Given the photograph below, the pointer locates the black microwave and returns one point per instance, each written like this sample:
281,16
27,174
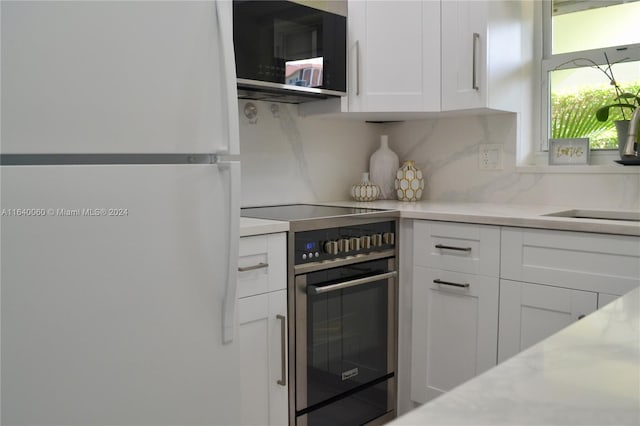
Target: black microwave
288,52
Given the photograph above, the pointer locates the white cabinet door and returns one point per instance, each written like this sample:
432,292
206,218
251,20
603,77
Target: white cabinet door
481,54
530,313
394,56
263,359
454,330
604,299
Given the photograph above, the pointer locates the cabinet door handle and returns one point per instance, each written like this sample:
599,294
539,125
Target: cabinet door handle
438,281
581,316
357,67
283,348
474,80
253,267
442,246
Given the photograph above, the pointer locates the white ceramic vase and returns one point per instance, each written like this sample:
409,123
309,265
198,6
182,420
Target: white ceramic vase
365,190
382,168
409,182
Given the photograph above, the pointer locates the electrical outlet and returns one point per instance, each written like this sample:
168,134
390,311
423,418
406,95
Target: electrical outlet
490,156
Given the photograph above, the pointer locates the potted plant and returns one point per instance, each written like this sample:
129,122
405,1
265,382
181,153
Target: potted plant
624,102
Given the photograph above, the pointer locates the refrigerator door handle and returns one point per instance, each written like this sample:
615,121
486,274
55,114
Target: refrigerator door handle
224,15
230,302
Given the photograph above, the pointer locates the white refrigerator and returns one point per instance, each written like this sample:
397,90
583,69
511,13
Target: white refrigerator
120,213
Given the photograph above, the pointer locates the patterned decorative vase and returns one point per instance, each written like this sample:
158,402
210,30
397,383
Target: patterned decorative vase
382,168
365,190
409,183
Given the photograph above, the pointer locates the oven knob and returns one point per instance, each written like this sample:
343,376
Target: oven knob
365,242
389,238
304,256
354,244
331,247
376,240
343,245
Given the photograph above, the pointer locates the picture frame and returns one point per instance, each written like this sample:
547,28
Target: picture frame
569,151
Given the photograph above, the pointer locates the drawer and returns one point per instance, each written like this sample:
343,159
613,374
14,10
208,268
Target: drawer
459,247
578,260
262,264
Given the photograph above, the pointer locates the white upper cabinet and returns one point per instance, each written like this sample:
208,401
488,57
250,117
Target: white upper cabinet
414,59
394,56
482,55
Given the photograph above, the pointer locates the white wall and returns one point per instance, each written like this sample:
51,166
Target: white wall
288,159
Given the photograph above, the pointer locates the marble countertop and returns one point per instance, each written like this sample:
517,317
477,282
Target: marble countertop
250,226
586,374
527,216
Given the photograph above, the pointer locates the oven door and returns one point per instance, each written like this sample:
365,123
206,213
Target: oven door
346,344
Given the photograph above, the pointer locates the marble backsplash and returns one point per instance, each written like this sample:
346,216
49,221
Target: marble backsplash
291,159
287,159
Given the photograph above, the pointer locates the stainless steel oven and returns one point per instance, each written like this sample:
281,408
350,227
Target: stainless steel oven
342,302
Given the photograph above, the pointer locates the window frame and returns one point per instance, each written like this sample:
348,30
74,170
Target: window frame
551,62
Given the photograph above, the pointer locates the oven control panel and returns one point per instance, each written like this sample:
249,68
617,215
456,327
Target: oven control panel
331,243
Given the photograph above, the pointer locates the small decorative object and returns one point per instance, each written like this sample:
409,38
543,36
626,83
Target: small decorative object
569,151
365,190
409,183
382,167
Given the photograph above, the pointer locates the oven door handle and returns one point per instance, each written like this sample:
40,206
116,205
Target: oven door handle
352,283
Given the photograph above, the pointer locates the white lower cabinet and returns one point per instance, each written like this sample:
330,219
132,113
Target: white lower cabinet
481,294
454,330
263,358
604,299
550,279
530,313
262,317
455,305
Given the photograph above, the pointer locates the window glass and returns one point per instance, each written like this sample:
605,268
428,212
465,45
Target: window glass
594,24
592,55
576,95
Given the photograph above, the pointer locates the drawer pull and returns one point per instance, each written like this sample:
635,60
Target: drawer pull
441,246
283,350
581,316
253,267
465,285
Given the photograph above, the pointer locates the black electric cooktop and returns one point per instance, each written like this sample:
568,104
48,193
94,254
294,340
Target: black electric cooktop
299,212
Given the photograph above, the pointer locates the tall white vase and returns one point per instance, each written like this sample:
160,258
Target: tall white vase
382,169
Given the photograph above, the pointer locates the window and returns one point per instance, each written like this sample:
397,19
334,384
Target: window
586,42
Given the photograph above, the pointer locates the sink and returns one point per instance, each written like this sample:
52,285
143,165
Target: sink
626,216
